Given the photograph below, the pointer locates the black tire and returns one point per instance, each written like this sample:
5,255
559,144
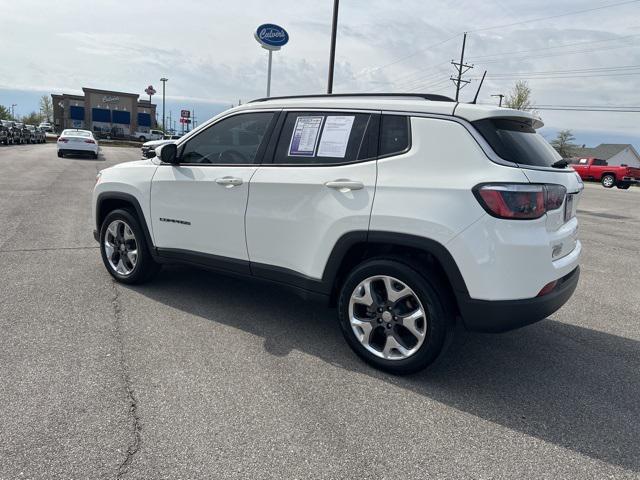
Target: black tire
94,156
608,181
60,154
624,186
432,293
145,266
142,139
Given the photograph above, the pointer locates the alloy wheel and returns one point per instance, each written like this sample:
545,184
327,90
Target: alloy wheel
387,317
121,247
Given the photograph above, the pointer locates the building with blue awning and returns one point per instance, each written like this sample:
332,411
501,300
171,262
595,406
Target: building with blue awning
104,111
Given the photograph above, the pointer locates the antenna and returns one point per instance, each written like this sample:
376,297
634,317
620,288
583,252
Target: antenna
475,99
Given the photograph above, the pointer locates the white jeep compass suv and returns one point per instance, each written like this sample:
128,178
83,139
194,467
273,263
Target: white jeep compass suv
408,212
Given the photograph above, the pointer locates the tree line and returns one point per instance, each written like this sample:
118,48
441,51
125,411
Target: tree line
33,118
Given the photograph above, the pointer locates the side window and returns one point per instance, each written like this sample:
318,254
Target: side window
323,138
232,141
600,163
394,134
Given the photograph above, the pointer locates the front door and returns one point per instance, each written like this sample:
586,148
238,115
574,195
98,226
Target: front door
198,206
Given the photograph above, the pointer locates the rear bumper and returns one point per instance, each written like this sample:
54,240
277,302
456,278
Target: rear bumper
503,315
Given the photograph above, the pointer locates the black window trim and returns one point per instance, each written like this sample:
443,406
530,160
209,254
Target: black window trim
259,158
374,123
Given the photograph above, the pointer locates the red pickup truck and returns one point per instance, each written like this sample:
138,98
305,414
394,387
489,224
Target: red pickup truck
599,170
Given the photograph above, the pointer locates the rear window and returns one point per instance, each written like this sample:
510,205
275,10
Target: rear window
517,142
323,138
76,133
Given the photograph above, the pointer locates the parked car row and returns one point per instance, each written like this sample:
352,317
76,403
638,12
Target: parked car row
12,133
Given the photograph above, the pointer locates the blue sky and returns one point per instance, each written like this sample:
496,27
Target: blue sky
207,50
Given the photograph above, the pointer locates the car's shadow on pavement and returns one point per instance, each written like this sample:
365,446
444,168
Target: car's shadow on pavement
574,387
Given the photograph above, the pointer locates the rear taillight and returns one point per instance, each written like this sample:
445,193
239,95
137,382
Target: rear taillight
63,140
519,201
89,141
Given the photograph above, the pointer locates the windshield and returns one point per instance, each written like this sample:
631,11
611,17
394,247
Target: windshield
517,142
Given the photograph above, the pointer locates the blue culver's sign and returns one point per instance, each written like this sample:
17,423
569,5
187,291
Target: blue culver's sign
271,36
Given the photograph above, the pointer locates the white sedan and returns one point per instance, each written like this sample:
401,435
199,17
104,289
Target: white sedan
77,141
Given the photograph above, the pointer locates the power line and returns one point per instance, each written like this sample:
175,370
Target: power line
551,77
575,12
589,106
516,52
550,55
415,53
561,109
578,70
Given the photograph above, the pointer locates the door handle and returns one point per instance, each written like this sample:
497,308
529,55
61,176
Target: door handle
345,185
229,182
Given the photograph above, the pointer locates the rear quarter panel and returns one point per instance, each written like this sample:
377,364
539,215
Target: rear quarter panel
428,190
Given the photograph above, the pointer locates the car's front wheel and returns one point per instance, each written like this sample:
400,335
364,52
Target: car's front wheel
124,251
393,317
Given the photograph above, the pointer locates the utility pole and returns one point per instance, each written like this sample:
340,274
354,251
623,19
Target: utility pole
462,68
164,118
169,119
13,116
501,96
332,51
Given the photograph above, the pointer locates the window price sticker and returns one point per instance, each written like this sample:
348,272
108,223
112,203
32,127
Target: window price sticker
304,138
335,136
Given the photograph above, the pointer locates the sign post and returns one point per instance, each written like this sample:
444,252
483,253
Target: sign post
271,37
150,91
185,119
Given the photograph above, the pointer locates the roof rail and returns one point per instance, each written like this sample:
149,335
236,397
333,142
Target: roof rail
425,96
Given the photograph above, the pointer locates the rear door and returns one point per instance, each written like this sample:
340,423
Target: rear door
198,206
319,186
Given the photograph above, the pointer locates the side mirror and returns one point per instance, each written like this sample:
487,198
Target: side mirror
168,153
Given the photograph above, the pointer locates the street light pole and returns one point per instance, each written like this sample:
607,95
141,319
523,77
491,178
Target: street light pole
332,52
13,116
164,118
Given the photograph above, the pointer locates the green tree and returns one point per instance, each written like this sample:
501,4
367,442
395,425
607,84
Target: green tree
520,97
46,108
5,113
33,118
563,143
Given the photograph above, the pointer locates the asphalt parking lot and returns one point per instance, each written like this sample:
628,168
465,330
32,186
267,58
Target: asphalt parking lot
199,376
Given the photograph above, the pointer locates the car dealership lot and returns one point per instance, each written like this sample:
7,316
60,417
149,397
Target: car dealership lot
195,375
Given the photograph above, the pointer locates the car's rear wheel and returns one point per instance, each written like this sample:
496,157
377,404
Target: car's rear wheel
608,181
393,317
124,250
60,154
623,186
